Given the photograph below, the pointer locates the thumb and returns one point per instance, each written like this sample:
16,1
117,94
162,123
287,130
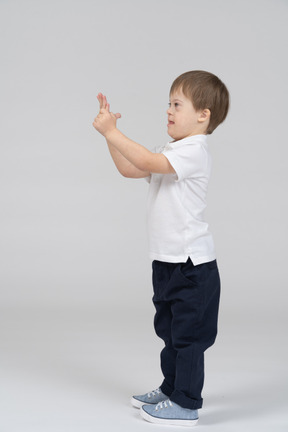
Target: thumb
117,115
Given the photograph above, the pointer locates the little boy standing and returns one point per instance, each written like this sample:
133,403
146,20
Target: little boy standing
186,280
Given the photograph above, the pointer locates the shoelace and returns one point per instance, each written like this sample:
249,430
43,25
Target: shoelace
154,393
163,404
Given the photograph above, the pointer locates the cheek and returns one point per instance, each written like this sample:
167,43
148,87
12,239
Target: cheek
186,122
190,120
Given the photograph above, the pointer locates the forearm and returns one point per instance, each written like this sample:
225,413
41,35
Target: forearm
131,152
125,168
120,161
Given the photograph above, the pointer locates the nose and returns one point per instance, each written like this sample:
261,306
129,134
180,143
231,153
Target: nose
169,111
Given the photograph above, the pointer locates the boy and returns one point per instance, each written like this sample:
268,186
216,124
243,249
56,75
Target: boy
186,280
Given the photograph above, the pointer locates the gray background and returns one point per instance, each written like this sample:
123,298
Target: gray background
76,314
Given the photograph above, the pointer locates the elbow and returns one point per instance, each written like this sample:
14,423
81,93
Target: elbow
144,164
127,173
124,173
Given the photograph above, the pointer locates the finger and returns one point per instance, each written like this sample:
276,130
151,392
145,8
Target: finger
116,116
100,99
105,102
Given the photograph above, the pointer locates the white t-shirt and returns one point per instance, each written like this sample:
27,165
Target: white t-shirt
176,203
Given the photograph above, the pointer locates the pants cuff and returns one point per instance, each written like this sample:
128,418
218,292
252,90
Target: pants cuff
166,388
184,401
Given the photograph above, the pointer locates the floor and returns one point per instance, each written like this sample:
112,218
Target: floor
75,371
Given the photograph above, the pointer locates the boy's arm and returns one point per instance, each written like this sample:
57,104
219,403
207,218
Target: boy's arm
122,164
126,168
142,161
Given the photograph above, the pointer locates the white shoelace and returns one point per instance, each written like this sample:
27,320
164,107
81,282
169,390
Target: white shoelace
163,404
154,393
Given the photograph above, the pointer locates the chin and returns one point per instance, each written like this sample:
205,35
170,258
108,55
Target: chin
176,137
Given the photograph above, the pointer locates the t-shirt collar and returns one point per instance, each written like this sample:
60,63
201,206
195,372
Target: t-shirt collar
193,139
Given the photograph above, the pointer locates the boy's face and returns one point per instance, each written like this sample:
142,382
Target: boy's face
183,120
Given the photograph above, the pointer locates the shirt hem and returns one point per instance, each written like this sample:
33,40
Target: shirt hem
196,260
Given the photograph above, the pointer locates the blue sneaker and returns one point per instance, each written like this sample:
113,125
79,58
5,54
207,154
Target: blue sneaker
169,413
154,397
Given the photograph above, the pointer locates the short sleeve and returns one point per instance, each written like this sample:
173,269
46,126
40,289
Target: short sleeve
188,161
154,150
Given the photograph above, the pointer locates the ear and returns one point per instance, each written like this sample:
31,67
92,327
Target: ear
204,115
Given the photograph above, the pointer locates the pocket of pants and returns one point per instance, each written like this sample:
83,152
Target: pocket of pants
189,271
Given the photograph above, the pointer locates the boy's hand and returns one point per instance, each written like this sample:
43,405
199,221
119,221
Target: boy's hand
105,121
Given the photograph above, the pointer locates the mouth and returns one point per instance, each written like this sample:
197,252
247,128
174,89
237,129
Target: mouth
170,122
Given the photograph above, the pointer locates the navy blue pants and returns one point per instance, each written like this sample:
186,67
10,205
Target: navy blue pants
186,298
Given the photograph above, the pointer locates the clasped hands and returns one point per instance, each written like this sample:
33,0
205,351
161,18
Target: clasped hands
105,122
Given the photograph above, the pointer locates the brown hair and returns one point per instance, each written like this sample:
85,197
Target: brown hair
205,90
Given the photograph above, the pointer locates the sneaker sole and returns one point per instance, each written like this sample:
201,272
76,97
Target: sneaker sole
173,422
138,404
